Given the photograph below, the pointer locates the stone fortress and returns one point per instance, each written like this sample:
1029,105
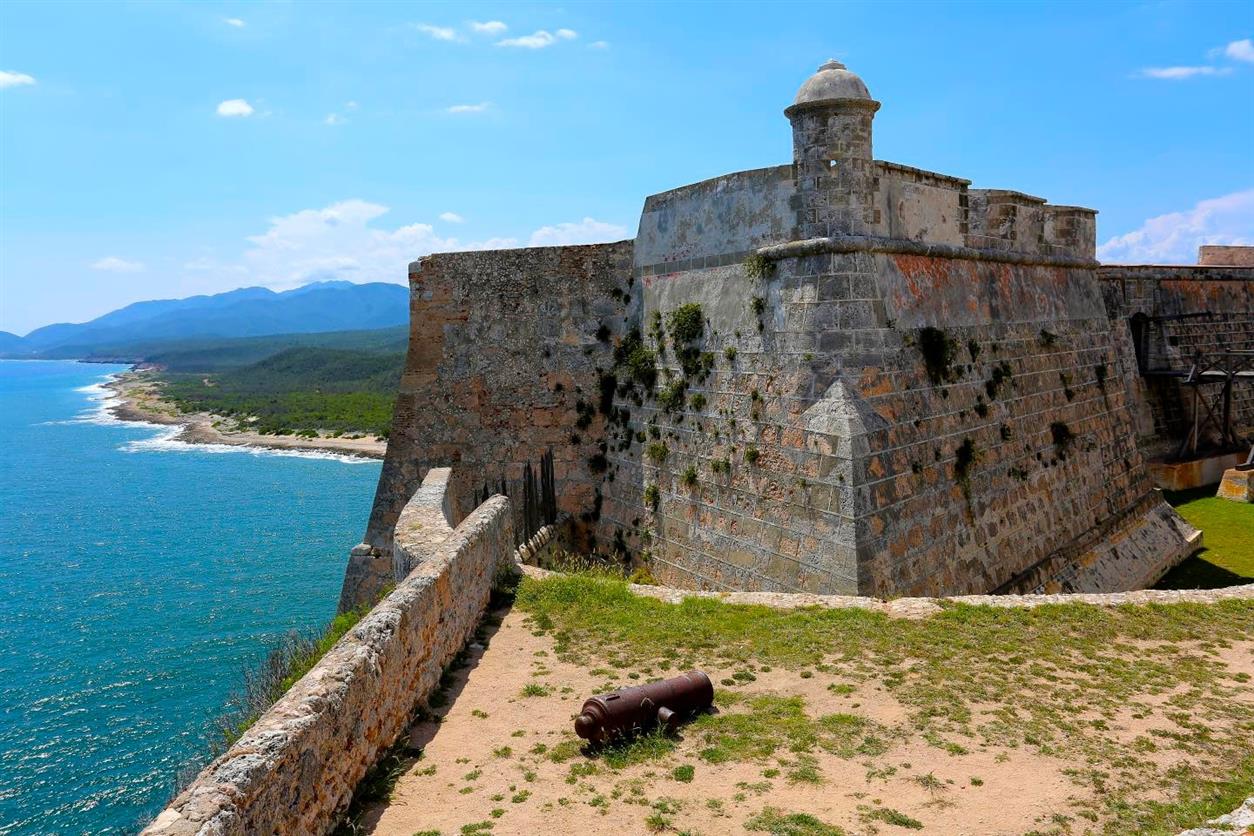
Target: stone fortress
839,375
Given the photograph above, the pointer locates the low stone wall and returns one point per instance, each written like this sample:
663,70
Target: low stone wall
296,769
425,522
923,607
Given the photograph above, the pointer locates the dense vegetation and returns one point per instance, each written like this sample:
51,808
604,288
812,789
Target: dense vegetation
298,391
210,355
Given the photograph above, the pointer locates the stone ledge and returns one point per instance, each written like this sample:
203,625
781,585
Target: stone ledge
874,244
923,607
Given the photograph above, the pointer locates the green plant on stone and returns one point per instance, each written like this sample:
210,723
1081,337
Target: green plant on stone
672,396
965,457
938,350
758,266
751,454
651,496
687,324
657,452
690,476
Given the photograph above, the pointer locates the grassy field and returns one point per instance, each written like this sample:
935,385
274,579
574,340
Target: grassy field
1228,529
1158,732
1063,719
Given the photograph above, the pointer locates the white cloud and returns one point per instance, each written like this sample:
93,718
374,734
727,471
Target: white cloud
9,78
339,242
1174,238
343,241
489,27
587,231
334,119
350,105
1242,50
540,39
439,33
235,107
452,218
1180,73
469,108
113,264
234,21
599,45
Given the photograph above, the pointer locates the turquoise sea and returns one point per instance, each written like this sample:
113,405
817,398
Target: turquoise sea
139,578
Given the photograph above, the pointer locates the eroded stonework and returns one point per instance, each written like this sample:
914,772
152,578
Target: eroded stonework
898,384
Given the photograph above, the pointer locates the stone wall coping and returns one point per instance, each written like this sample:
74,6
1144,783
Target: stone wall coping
922,173
424,524
295,769
1176,272
876,244
922,607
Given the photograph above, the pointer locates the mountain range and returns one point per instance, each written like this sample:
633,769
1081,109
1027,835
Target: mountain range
138,330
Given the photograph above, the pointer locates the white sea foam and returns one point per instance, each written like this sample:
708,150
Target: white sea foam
167,441
104,399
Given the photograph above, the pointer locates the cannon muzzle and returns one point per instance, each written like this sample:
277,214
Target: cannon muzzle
628,711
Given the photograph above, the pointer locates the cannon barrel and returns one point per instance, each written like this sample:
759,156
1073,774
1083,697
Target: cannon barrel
627,711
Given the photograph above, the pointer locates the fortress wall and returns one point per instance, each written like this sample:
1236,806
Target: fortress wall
917,205
714,222
857,485
1225,295
295,769
506,350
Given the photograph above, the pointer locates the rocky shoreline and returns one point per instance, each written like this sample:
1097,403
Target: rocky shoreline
138,400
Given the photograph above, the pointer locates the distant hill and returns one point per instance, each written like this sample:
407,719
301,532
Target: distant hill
215,355
132,332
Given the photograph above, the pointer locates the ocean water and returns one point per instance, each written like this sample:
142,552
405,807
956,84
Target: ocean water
139,578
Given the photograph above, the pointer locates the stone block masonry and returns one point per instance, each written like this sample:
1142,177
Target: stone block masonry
506,359
893,383
295,769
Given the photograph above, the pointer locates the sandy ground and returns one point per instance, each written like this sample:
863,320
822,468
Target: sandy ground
141,402
463,775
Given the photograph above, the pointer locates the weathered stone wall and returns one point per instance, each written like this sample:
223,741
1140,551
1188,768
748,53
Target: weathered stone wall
506,355
295,769
1179,313
825,459
423,525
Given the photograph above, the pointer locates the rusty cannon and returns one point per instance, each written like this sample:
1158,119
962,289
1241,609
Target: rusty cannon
628,711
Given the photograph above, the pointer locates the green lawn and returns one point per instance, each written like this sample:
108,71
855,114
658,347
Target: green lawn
1228,530
1063,681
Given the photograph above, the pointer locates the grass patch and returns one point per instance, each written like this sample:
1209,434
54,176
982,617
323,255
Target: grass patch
774,822
293,658
1228,556
1055,680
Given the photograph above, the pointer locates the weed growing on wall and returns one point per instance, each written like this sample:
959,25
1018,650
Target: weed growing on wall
965,458
938,350
1062,437
758,266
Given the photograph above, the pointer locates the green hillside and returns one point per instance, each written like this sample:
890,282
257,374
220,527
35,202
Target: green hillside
305,390
216,354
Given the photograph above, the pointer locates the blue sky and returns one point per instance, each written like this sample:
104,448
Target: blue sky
156,150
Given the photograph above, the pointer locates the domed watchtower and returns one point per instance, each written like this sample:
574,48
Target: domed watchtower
831,149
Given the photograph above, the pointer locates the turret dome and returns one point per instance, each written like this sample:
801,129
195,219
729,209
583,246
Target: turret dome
832,83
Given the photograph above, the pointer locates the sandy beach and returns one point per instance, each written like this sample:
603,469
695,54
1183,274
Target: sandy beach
140,400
